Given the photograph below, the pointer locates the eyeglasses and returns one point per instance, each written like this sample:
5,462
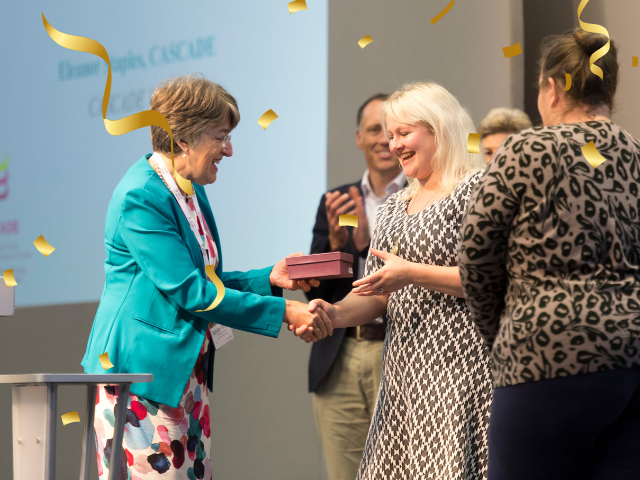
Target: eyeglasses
224,140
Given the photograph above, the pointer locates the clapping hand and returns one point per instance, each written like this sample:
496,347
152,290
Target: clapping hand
279,277
346,204
394,275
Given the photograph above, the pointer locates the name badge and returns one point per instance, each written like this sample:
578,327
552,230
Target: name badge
221,336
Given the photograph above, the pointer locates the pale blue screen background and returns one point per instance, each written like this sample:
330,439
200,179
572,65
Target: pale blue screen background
63,165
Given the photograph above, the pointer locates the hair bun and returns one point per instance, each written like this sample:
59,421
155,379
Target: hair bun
589,42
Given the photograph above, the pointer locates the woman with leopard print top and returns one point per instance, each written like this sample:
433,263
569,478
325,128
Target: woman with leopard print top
549,259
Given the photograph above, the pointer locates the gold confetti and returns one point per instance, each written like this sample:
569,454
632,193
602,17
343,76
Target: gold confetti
71,417
9,278
297,6
364,41
43,246
473,143
211,273
126,124
512,51
105,362
568,82
348,221
634,61
593,28
267,117
592,155
435,19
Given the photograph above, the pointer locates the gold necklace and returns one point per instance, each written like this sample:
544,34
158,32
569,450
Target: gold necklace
394,250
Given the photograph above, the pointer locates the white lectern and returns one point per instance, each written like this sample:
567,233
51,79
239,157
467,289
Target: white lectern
35,418
7,299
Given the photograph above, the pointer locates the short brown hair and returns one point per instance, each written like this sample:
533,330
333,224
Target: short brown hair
570,53
190,103
504,120
380,96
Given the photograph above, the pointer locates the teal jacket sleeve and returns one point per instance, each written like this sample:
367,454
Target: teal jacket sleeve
253,281
149,230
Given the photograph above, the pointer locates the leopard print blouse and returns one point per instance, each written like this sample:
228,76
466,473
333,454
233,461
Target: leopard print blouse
550,251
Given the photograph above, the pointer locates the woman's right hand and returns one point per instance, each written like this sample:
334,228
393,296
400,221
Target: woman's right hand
313,326
318,305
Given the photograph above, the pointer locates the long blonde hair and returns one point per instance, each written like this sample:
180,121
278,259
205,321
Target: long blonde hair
432,105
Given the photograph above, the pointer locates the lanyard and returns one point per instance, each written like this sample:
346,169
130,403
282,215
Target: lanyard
155,158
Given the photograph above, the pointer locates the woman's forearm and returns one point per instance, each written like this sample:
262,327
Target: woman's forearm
440,279
355,310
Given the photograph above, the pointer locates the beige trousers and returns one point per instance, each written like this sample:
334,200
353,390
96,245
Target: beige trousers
343,405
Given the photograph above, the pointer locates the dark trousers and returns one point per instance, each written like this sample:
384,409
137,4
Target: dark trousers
580,427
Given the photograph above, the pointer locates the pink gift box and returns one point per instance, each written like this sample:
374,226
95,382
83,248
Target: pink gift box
322,266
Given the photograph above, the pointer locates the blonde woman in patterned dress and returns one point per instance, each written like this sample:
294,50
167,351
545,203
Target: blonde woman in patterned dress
432,412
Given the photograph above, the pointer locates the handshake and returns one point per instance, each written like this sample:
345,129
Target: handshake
311,322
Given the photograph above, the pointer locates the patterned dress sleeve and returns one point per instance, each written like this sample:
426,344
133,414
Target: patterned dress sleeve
484,235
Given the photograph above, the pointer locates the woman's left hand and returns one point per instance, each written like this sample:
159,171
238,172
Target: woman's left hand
394,275
279,277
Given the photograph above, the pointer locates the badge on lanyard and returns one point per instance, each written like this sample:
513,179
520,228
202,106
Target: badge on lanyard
221,335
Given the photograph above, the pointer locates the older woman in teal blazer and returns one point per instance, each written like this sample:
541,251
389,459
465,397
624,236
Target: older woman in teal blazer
153,315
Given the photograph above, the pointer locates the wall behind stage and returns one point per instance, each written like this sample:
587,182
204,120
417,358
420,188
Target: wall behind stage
462,52
62,166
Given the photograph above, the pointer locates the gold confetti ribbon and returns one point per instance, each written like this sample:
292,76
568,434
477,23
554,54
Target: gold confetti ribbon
593,28
592,155
567,85
105,361
211,272
512,51
348,221
127,124
364,41
297,6
9,279
267,117
438,17
473,143
634,61
71,417
43,246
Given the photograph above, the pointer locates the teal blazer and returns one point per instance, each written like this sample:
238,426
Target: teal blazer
155,282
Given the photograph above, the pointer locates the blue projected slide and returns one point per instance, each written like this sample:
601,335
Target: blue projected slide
59,166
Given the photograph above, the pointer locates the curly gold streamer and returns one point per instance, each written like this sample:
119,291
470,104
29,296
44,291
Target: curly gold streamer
438,17
593,28
211,272
127,124
567,85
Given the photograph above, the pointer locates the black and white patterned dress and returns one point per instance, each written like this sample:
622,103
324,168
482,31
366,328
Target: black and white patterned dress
432,413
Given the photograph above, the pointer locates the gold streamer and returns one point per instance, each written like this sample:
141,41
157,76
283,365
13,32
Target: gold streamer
634,61
43,246
71,417
592,155
127,124
211,273
267,117
568,82
297,6
473,143
348,221
105,361
593,28
364,41
9,279
512,51
435,19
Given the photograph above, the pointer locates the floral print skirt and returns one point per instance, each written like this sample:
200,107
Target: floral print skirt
160,442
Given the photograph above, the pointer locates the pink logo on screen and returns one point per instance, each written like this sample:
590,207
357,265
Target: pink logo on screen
4,178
